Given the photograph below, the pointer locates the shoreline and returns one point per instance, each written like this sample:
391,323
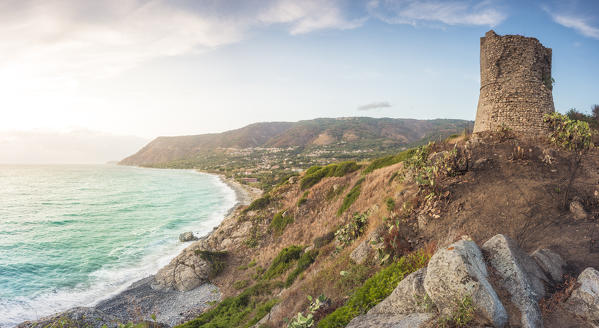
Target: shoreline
171,306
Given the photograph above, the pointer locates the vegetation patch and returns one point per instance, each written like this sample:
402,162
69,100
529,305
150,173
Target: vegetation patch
302,264
351,231
243,310
259,203
324,239
461,317
334,191
241,284
316,173
375,289
279,222
283,261
569,134
303,199
389,160
216,259
351,197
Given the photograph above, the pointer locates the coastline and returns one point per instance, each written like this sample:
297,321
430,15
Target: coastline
169,306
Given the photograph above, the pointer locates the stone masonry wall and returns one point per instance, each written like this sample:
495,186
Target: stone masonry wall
515,78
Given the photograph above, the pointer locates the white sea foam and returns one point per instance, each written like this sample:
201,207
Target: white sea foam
113,278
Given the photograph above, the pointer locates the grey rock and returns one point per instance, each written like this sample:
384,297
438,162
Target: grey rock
552,264
361,253
413,320
519,275
185,272
408,297
457,272
187,236
577,210
584,301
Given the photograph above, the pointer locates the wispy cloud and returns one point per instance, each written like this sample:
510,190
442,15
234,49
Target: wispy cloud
375,105
416,12
580,24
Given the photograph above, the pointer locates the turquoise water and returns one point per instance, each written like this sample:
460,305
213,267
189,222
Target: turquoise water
71,235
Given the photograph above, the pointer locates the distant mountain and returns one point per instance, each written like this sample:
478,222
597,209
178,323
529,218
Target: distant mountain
356,132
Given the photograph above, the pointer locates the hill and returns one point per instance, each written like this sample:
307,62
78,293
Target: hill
360,133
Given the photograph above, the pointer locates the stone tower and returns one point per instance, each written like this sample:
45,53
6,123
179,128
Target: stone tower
515,84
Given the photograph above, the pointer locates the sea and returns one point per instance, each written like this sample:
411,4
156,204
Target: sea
73,235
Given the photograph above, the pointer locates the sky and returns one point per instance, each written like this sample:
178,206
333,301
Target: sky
137,69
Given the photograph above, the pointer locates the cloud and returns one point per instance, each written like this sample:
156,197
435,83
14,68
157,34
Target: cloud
78,39
579,24
416,12
375,105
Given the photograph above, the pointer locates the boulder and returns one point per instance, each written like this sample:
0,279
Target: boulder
185,272
457,272
552,264
519,275
413,320
187,236
584,301
577,210
408,297
361,253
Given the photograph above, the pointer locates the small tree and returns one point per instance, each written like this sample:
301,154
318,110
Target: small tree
595,112
572,135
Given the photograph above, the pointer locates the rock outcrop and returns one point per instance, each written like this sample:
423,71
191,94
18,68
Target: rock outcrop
185,272
552,263
187,236
584,301
408,297
520,275
457,272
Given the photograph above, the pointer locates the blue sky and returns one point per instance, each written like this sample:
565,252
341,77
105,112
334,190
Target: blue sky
149,68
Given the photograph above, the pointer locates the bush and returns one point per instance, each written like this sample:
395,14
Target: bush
279,222
259,203
388,160
303,199
351,196
316,173
302,264
375,289
568,133
324,239
216,259
241,284
390,202
283,261
351,231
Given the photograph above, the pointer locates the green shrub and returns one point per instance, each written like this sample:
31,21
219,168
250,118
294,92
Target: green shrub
283,261
390,202
216,259
324,239
259,203
388,160
351,196
279,222
351,231
374,290
461,317
302,264
569,134
234,311
303,199
241,284
316,173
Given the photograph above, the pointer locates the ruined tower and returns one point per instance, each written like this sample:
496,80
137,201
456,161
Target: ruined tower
515,84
